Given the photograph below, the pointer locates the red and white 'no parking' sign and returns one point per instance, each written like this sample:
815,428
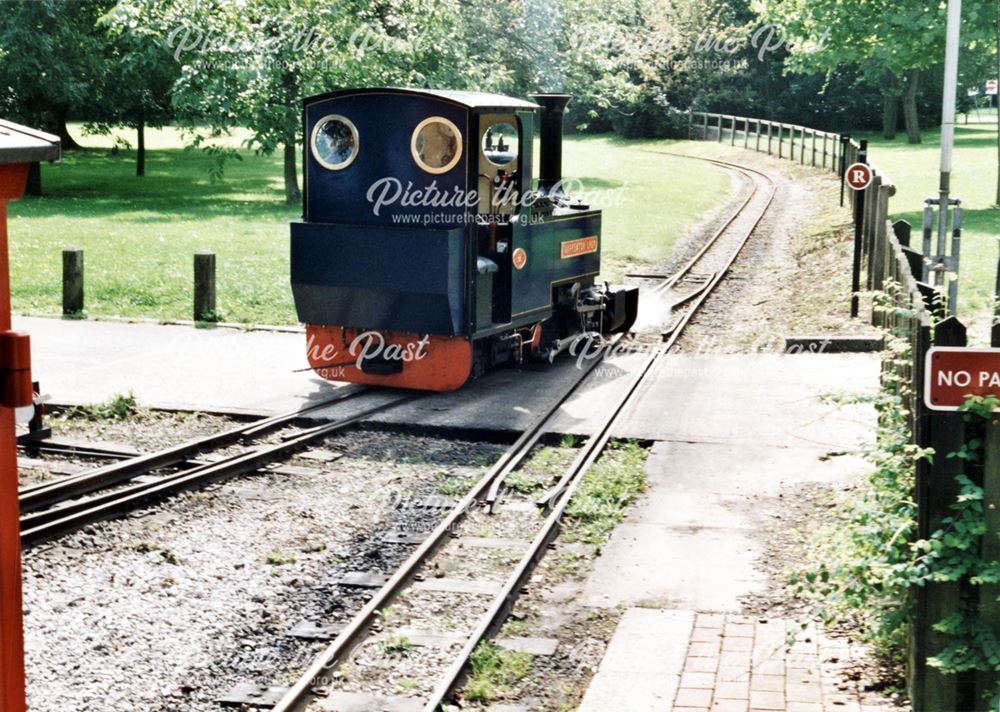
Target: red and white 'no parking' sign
858,176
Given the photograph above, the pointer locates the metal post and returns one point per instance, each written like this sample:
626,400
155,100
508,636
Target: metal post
953,260
12,697
859,218
928,230
948,120
844,138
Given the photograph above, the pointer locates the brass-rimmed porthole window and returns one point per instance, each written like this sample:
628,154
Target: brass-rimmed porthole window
436,145
334,143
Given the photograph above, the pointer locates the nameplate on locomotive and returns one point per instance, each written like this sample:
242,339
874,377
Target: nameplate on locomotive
574,248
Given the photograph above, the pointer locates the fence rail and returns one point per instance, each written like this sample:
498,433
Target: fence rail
815,147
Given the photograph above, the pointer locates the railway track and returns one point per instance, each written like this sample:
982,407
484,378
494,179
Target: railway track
687,289
58,507
493,598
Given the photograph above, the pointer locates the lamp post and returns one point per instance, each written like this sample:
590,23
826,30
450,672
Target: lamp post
948,100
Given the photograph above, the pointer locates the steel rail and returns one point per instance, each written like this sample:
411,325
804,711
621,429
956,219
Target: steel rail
557,500
359,625
117,504
689,265
706,291
45,494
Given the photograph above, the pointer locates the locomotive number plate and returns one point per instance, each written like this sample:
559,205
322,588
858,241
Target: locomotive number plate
574,248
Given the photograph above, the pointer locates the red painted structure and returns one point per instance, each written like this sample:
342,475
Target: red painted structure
19,147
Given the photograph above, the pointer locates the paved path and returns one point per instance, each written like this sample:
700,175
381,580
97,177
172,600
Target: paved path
727,431
736,664
82,362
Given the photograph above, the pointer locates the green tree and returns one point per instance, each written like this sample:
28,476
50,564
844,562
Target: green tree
53,61
894,44
250,64
136,89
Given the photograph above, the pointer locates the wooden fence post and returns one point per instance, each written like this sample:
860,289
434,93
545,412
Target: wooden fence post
704,136
746,133
720,128
72,282
813,162
989,605
931,690
781,139
204,287
989,594
769,138
757,136
732,132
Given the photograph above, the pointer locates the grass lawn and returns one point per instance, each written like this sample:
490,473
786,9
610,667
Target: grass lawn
139,234
914,171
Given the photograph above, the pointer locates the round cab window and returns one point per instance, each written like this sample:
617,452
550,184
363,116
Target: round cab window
335,142
500,144
436,145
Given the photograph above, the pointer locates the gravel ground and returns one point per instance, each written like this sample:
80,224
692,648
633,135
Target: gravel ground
142,431
389,664
167,610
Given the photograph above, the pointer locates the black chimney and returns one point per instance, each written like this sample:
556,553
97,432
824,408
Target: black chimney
550,130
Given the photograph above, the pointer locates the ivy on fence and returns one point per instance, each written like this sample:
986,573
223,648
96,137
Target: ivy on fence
865,566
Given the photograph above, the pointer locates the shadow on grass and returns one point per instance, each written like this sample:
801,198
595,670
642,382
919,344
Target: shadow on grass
177,186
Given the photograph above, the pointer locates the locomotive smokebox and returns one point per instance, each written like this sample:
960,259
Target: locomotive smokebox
551,129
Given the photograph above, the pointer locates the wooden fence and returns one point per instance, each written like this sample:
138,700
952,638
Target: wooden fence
914,315
796,143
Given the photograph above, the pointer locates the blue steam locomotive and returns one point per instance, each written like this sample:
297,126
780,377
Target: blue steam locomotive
426,255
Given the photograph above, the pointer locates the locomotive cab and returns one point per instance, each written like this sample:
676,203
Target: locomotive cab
425,255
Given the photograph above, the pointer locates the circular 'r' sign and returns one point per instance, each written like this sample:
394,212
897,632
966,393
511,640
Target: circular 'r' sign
519,258
858,175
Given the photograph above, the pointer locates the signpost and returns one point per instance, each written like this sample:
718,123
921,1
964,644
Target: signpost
858,176
953,374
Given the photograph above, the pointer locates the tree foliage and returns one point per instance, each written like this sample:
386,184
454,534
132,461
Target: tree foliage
892,44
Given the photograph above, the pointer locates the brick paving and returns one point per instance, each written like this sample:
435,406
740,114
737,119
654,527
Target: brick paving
741,664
